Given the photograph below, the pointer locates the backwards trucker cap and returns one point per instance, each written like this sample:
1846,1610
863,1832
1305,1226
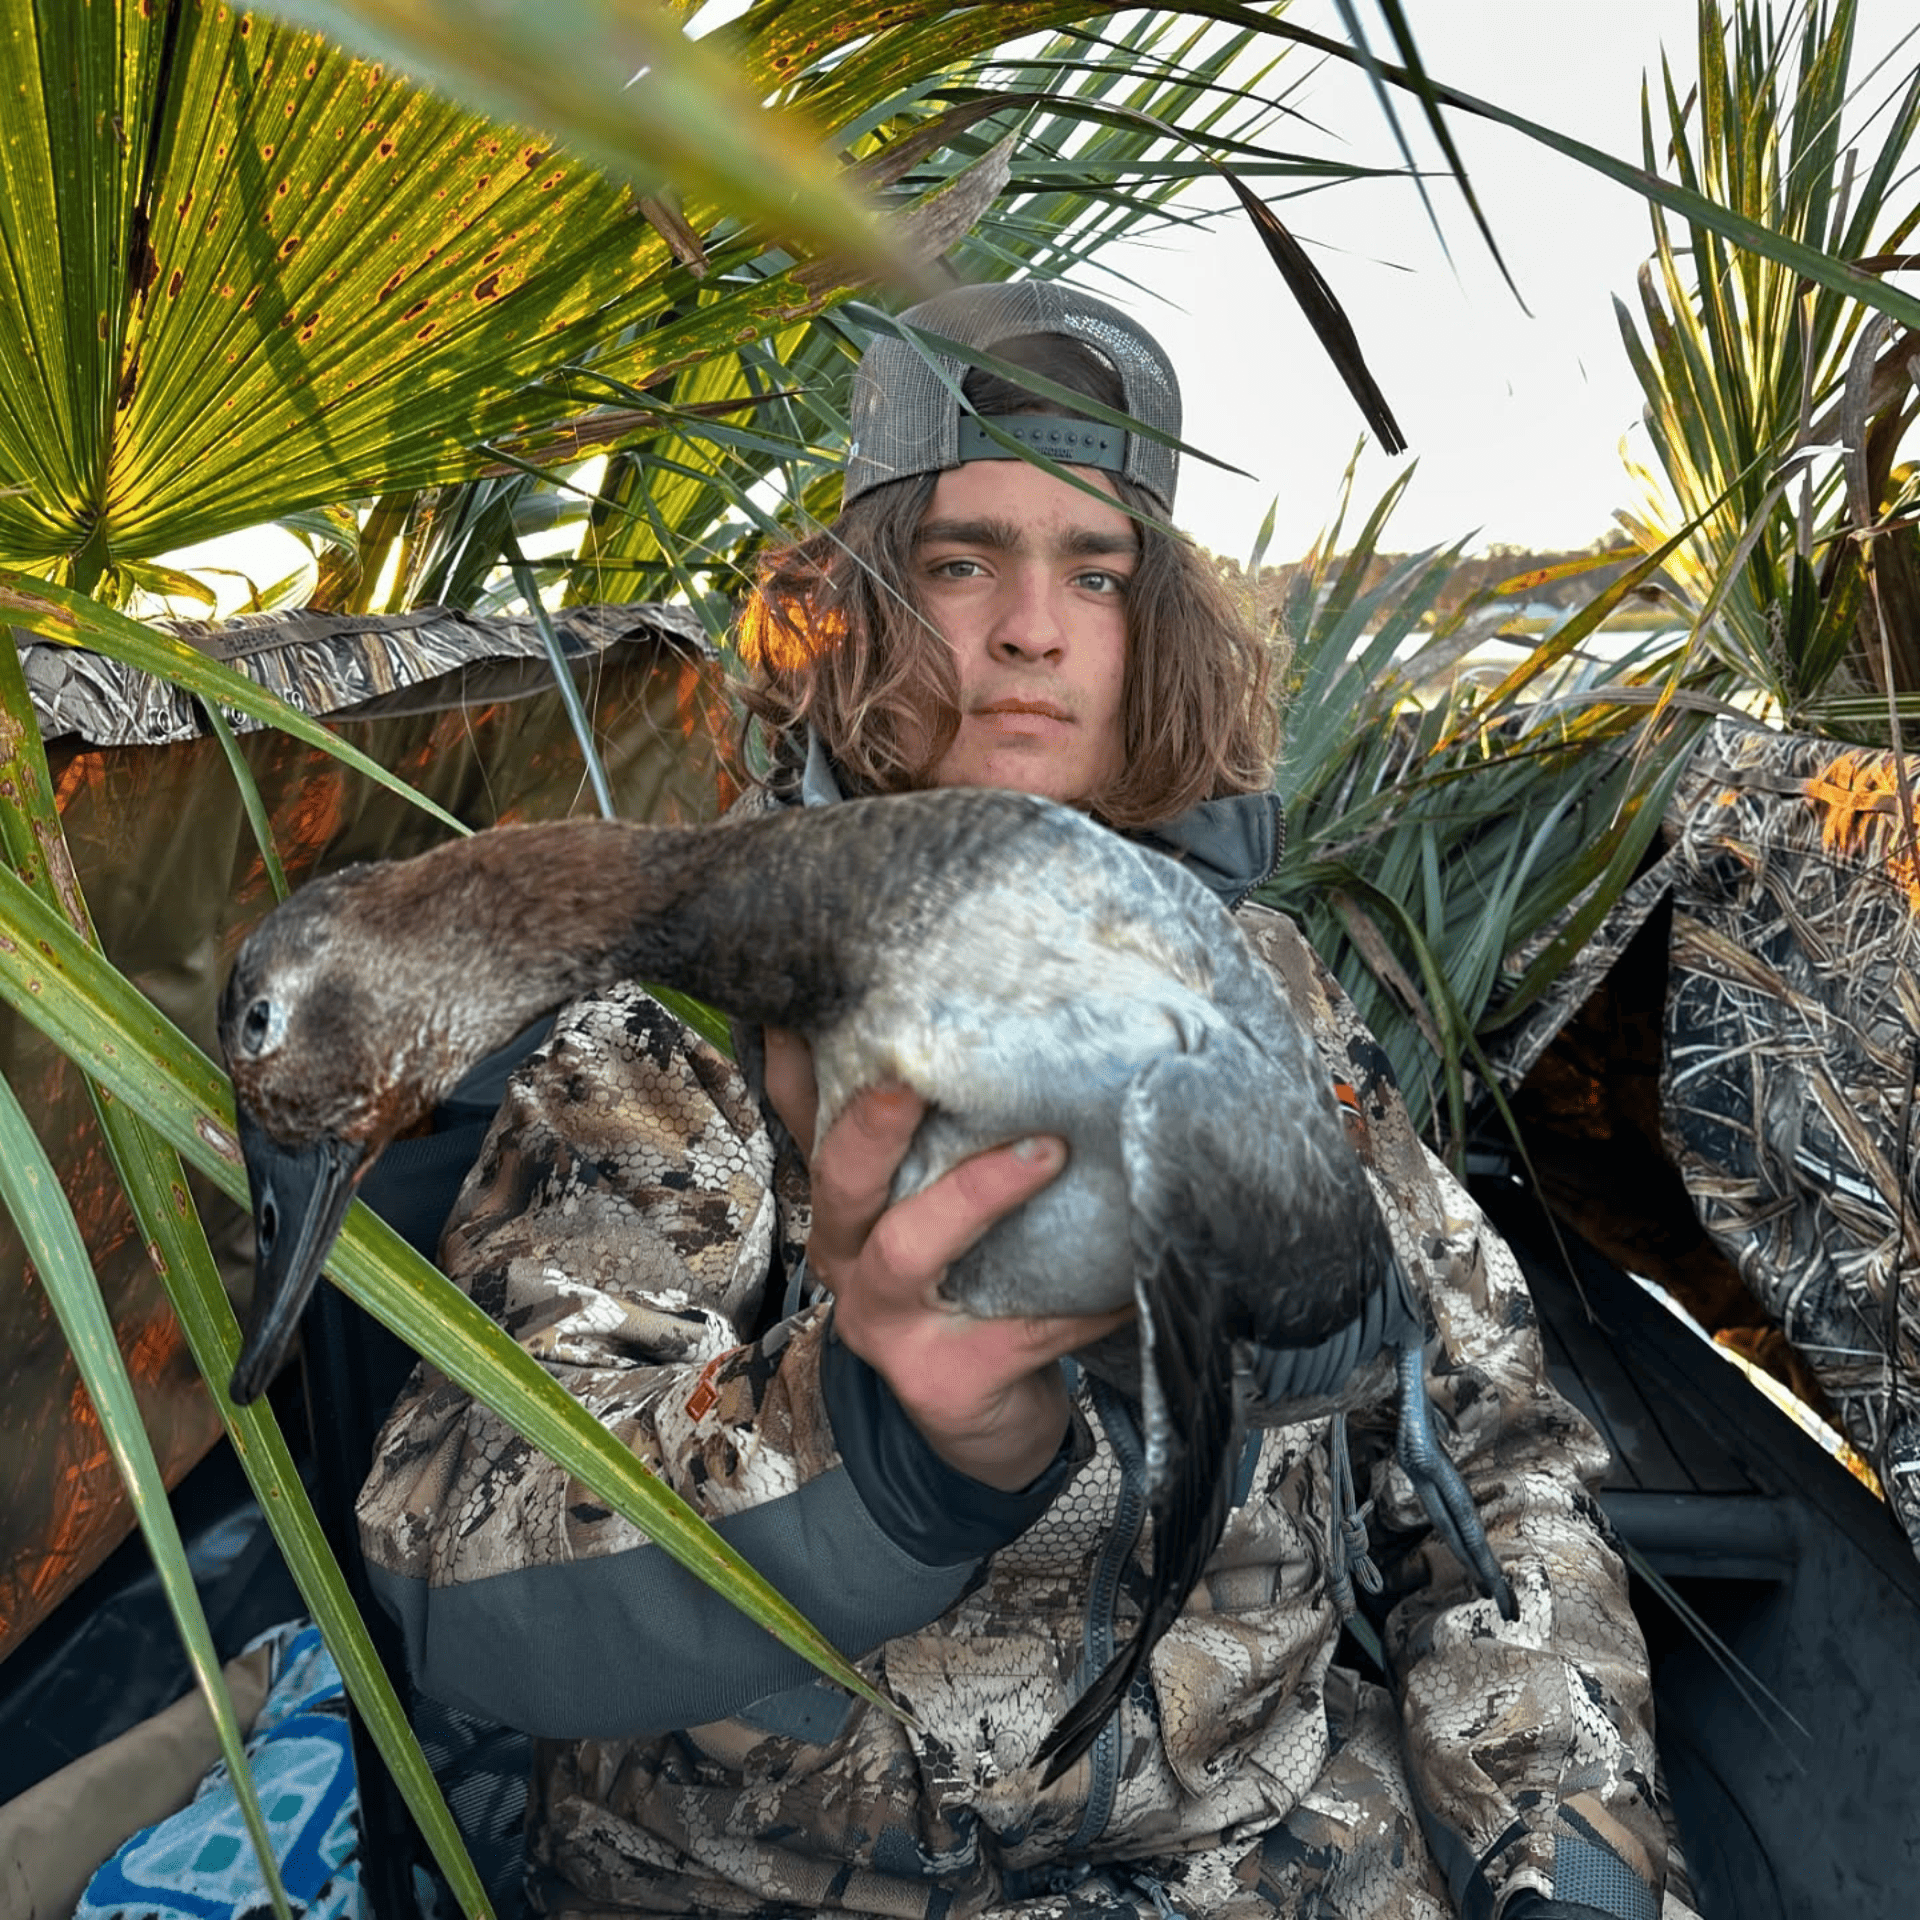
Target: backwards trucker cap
906,419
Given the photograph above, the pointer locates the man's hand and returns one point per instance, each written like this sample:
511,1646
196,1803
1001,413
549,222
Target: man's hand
987,1394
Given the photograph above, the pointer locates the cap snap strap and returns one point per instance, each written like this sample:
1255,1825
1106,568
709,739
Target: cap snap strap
1074,443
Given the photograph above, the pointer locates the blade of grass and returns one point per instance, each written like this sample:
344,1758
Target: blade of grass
150,1172
250,800
155,1188
562,673
52,1238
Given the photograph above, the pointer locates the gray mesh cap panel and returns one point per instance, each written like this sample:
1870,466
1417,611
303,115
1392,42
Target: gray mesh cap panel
906,420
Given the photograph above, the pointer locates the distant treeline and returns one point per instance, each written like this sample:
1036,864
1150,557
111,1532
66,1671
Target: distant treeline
1476,573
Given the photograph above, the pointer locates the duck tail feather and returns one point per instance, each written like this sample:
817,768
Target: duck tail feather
1189,1276
1184,1295
1188,1395
1077,1729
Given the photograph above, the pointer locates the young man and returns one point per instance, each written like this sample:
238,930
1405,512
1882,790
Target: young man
957,1502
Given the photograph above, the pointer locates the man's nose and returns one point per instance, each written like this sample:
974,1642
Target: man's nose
1028,622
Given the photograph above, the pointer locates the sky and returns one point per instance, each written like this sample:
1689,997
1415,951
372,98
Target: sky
1515,418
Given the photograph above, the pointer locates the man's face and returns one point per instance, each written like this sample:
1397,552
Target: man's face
1027,578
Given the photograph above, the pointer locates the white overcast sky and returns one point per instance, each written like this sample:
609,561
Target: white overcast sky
1515,419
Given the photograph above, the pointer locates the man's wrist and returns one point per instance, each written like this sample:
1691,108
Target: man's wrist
1010,1447
928,1508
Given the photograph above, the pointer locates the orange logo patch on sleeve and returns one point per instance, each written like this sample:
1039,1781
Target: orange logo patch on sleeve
1348,1099
705,1395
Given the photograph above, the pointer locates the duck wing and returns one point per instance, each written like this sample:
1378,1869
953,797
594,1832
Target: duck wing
1186,1383
1247,1224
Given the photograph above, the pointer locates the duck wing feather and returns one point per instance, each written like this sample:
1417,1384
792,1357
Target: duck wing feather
1251,1224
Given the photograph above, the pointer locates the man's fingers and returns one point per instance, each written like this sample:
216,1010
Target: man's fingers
1054,1336
791,1091
853,1169
932,1229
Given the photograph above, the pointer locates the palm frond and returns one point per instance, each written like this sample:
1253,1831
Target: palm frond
1437,830
1776,402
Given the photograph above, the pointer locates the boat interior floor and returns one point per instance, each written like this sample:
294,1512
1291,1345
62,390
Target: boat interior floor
1780,1599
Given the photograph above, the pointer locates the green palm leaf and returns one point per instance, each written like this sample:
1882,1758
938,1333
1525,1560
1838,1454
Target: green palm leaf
285,278
1436,829
32,1194
1765,472
170,1230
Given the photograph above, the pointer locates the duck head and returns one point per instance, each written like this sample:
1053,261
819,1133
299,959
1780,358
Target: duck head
355,1007
318,1093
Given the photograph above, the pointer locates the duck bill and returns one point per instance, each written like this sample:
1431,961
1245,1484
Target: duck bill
300,1196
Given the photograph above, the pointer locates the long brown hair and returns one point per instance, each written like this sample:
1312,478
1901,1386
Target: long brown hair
834,638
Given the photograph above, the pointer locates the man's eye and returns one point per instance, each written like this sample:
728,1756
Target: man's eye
958,568
1100,581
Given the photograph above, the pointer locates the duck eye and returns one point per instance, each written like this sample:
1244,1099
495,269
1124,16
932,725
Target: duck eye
255,1024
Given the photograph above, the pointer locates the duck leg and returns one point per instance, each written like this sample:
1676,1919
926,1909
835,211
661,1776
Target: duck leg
1442,1492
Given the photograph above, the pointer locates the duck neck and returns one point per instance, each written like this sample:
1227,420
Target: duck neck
537,916
741,915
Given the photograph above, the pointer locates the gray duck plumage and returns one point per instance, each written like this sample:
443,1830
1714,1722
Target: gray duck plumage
1022,969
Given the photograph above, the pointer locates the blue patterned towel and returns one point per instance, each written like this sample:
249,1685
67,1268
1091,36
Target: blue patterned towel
199,1865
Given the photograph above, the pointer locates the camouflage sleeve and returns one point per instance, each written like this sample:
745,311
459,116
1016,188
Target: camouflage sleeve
621,1224
1530,1744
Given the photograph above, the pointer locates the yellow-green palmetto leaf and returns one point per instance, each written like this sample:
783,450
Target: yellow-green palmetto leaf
53,979
620,82
261,275
656,506
1576,627
841,61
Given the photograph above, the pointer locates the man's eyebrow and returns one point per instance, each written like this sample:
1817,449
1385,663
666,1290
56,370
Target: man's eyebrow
1005,536
999,536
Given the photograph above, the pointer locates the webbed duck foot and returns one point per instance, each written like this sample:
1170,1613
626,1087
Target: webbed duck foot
1442,1492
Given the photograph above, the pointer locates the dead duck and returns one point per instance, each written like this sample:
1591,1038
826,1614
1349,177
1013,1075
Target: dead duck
1021,968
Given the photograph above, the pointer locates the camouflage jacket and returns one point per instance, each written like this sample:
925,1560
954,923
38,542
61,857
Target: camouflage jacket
630,1224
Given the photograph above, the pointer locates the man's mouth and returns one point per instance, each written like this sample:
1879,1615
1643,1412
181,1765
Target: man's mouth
1044,709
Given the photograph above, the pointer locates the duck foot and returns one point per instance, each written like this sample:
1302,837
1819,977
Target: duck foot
1442,1492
